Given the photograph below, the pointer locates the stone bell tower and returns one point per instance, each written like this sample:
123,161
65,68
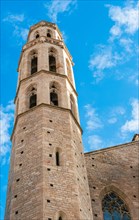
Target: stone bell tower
47,179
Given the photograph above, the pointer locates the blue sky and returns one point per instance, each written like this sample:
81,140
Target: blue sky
102,37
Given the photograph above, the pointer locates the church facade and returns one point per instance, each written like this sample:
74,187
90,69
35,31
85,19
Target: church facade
50,177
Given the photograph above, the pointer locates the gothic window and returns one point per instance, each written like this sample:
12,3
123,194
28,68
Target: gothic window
54,91
33,100
32,96
114,208
34,63
52,63
57,159
36,35
49,33
54,98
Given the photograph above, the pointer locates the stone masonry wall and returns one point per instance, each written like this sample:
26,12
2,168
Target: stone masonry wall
114,169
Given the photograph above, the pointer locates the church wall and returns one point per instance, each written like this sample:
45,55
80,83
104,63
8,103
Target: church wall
114,169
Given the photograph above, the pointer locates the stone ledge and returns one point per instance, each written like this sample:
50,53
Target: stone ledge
47,72
50,106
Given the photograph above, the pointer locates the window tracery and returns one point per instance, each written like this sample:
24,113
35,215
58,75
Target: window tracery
114,208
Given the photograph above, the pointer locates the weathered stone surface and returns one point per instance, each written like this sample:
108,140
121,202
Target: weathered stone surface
114,169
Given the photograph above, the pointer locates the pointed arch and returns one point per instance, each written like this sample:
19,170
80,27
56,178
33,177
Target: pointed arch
32,96
54,93
33,61
52,54
110,196
61,216
36,35
49,33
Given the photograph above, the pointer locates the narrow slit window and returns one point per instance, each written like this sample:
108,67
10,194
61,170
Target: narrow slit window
33,101
52,63
34,63
57,159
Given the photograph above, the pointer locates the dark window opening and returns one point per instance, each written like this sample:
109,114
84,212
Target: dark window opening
22,152
48,35
34,62
57,159
52,63
33,101
54,98
48,200
60,218
16,212
37,36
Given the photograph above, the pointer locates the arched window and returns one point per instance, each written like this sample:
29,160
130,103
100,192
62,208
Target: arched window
54,98
32,96
52,63
60,218
34,63
37,35
49,33
114,208
33,100
57,159
54,93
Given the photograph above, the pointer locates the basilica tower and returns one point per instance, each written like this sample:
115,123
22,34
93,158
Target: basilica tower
47,179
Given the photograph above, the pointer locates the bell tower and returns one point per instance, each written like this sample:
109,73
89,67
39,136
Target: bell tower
47,179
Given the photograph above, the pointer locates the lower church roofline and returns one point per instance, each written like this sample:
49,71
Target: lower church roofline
111,147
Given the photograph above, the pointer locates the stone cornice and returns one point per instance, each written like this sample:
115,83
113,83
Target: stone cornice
110,148
45,105
47,72
44,39
44,23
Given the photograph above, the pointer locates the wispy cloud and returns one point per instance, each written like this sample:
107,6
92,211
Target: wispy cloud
6,121
114,114
14,18
104,58
126,19
93,120
132,125
17,20
55,7
95,142
121,45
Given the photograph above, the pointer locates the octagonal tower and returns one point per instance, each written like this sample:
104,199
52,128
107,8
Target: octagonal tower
47,179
